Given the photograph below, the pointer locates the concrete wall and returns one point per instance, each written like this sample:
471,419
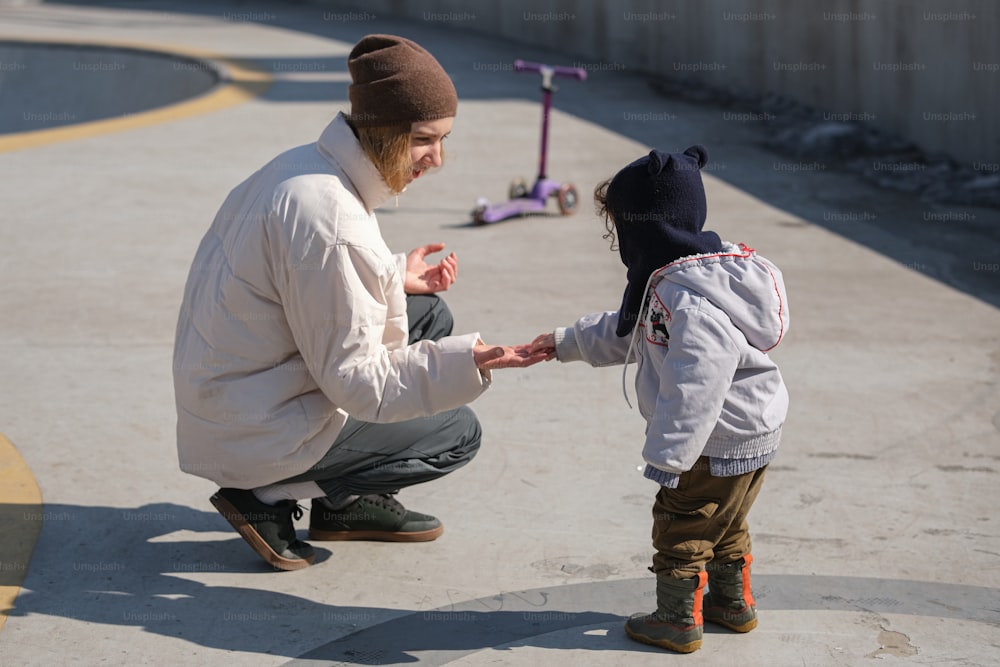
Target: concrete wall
926,70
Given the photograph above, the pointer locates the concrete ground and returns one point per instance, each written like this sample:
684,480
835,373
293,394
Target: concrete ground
876,539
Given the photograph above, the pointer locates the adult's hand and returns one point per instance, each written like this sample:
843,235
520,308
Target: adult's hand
424,278
491,357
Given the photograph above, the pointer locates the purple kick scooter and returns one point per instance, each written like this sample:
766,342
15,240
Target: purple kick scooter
523,201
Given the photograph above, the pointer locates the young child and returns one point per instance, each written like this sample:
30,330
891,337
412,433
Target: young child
698,317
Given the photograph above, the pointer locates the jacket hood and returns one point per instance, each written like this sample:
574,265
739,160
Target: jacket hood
744,285
339,145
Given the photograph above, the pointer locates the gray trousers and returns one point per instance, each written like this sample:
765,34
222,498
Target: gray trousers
371,458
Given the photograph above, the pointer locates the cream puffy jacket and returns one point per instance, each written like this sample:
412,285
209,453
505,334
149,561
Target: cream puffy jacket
294,317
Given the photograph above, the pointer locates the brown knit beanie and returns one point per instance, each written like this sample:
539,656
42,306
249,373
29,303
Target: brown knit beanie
396,81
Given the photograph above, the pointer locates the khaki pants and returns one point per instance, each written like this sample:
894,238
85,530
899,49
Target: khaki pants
703,521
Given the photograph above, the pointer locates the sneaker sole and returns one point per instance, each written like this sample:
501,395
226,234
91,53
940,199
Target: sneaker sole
253,538
374,535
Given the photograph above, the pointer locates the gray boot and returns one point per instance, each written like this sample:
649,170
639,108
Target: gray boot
677,622
729,601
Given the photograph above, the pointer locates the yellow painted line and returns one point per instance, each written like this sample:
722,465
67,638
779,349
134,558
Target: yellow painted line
241,81
20,523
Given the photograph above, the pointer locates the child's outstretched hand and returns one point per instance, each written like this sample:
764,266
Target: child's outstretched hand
545,343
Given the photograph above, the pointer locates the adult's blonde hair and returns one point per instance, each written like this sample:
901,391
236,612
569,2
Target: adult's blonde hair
388,147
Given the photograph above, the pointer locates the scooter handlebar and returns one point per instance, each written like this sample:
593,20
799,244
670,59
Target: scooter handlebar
557,70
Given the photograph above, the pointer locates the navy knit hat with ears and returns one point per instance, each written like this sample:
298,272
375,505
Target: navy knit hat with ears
657,204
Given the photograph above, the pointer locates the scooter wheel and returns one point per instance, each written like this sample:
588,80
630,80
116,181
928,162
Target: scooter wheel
477,215
567,199
518,189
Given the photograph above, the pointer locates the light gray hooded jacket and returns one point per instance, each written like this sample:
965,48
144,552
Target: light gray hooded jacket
705,383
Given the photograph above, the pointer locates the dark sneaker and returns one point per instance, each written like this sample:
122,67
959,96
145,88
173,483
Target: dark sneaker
381,518
268,529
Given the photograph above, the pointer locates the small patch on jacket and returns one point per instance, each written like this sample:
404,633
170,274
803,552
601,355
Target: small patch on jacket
655,322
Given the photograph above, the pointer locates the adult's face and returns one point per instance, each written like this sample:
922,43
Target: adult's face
426,150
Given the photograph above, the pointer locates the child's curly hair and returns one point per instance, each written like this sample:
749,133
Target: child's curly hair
601,206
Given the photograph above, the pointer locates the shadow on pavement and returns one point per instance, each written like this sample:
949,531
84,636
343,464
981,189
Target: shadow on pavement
112,566
109,566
